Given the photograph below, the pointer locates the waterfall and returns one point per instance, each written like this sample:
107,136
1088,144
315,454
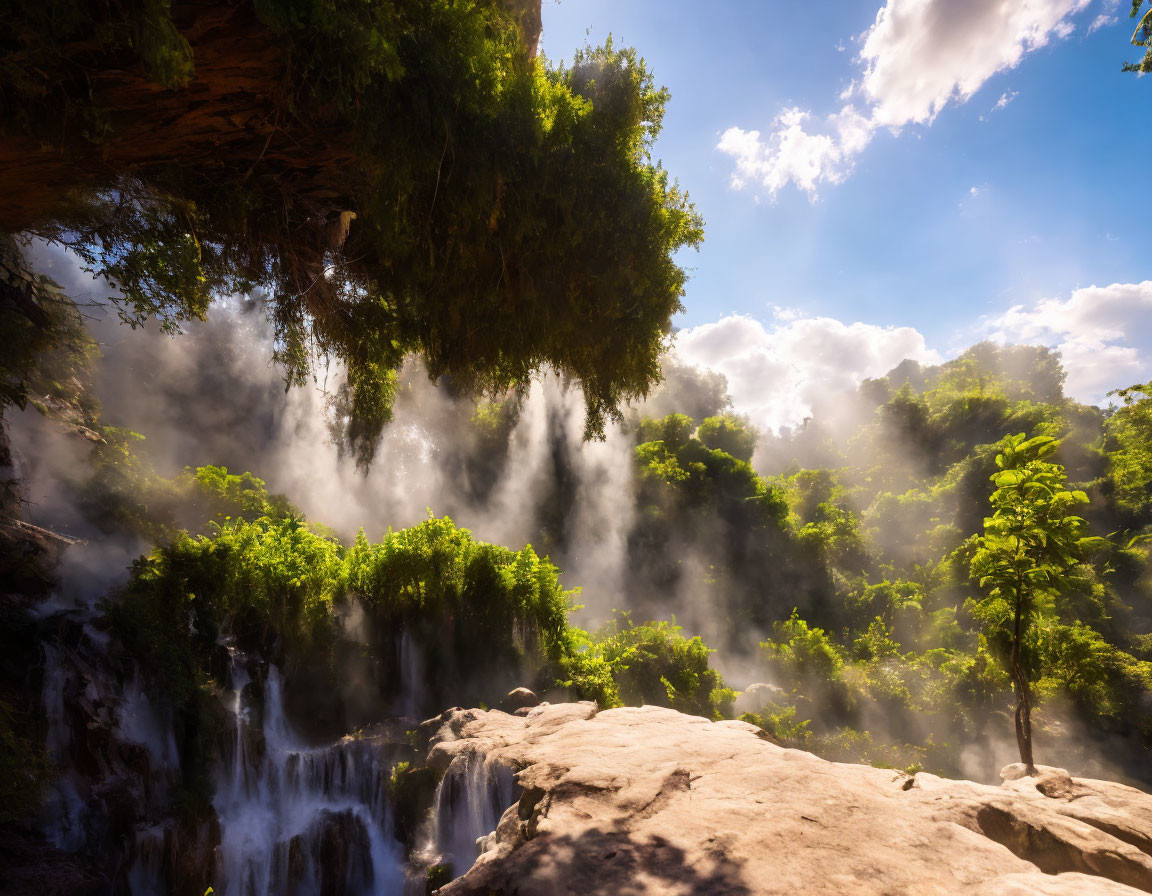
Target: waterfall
64,809
469,802
141,721
411,700
113,752
296,819
467,806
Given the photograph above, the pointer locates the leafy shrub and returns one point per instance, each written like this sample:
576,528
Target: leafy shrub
651,663
729,433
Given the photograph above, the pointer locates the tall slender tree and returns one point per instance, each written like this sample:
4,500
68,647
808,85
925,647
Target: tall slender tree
1031,540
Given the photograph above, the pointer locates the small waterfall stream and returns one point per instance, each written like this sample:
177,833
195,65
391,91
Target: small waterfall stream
411,676
469,802
466,809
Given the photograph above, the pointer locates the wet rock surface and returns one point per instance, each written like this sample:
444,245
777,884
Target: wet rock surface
650,801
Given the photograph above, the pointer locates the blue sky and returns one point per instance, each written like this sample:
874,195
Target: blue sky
1024,191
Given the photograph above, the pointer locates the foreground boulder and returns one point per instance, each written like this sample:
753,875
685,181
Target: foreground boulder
650,801
519,698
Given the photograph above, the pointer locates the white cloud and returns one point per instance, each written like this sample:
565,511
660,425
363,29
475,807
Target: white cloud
781,372
971,200
1100,331
918,57
793,155
777,375
1102,21
1005,98
922,54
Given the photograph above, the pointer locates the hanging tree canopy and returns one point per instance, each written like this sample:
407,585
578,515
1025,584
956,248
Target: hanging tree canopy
396,176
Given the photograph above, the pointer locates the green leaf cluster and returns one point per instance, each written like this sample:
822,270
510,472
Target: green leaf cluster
629,664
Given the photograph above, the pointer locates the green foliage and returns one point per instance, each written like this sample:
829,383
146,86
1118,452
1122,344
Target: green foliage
437,876
434,572
808,490
1105,683
278,583
704,503
888,602
876,643
703,476
46,353
39,31
228,495
782,724
729,433
1128,435
651,663
425,188
798,652
1141,37
893,505
587,674
834,535
1030,542
1032,539
410,792
484,617
674,431
260,580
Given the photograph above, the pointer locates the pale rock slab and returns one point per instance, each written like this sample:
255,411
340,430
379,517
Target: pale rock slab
646,801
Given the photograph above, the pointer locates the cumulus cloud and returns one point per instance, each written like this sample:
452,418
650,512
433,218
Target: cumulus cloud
792,367
792,154
917,57
1100,331
779,374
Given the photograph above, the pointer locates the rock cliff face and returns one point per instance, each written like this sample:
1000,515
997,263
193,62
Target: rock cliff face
649,801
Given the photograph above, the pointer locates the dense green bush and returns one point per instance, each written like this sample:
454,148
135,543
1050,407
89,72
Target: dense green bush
481,618
654,663
729,433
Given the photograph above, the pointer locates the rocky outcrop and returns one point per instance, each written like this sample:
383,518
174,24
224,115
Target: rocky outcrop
231,113
519,700
650,801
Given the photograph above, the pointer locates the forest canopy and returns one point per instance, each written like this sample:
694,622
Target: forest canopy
392,177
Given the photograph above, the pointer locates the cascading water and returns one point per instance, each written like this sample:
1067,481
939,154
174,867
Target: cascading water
411,700
64,808
469,801
293,819
299,820
113,753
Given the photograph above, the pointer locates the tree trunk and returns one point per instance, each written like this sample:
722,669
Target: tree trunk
1023,699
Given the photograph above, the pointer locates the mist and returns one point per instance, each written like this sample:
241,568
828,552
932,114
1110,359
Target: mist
213,395
515,469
